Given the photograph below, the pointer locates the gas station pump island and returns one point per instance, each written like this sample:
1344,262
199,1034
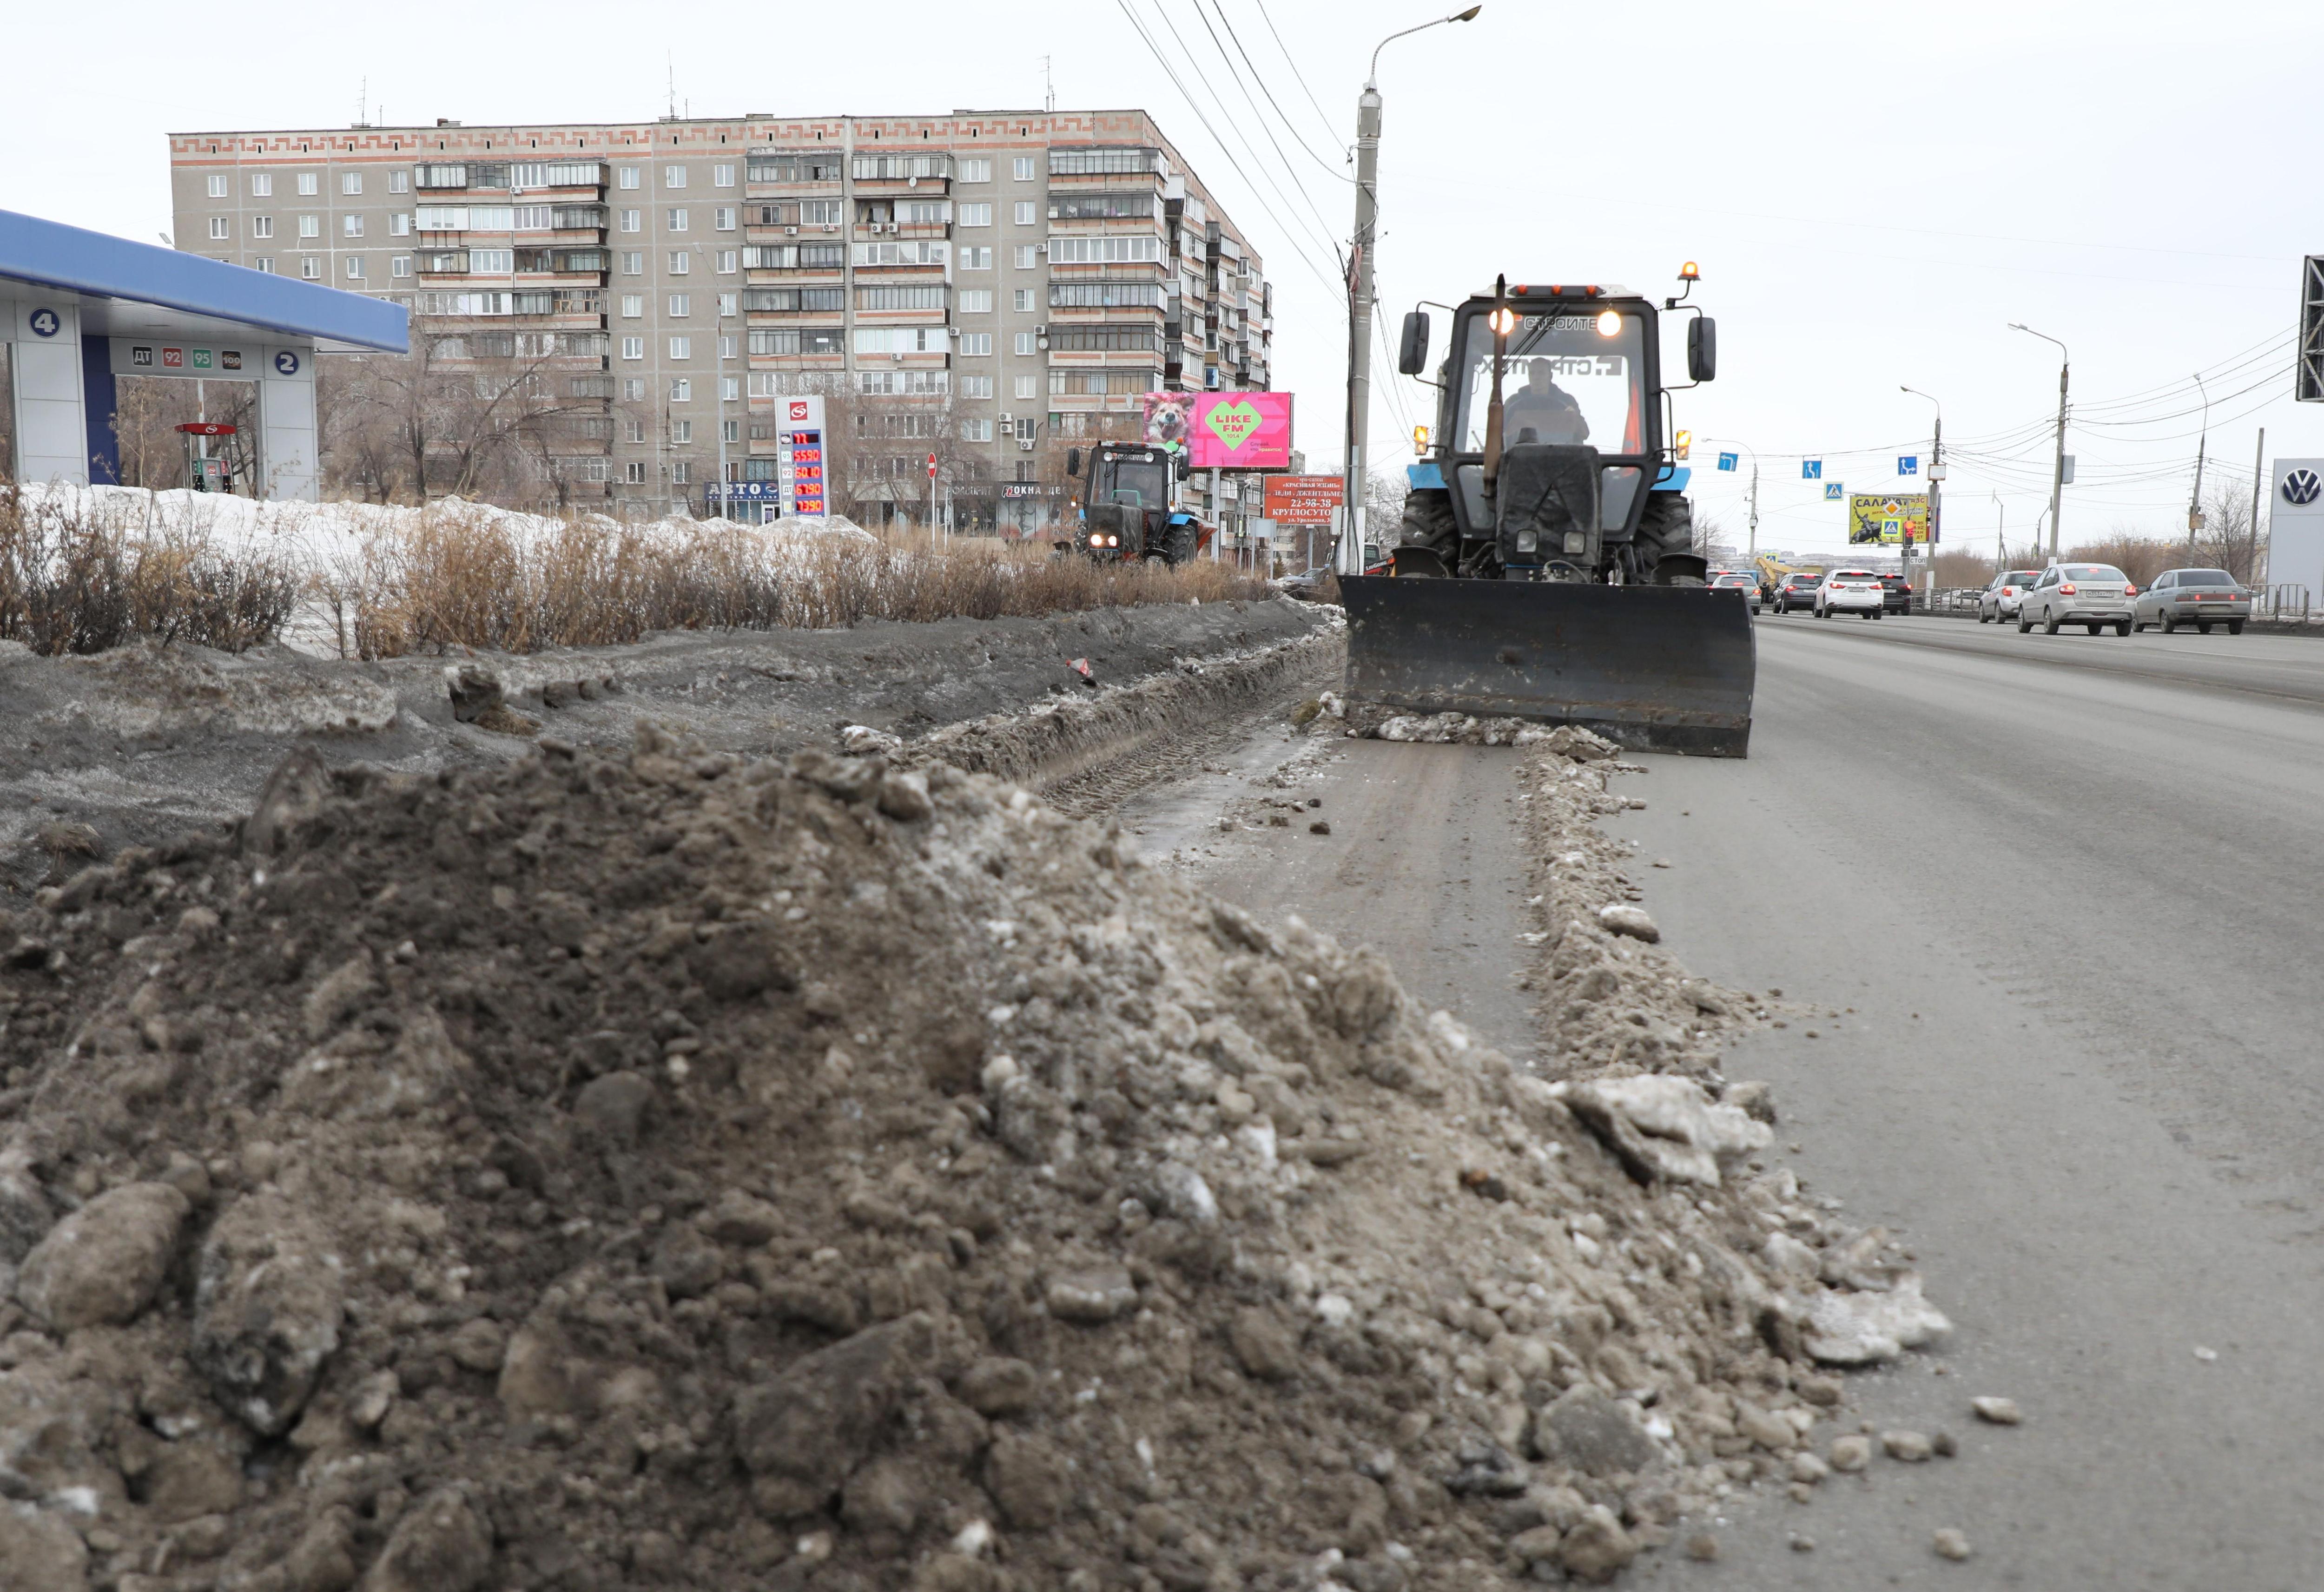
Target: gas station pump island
80,309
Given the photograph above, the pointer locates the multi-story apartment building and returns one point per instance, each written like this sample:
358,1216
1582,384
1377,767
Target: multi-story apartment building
990,286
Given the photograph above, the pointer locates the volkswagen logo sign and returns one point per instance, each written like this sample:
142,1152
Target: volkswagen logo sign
2302,487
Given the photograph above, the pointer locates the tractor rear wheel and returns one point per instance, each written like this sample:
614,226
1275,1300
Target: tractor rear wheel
1179,545
1668,527
1428,523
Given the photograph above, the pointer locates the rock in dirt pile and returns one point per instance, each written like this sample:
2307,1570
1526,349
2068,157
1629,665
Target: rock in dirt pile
665,1170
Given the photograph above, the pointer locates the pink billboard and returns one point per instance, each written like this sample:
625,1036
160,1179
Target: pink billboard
1241,432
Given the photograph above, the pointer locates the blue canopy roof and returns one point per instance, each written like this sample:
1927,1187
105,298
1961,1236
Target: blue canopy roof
98,266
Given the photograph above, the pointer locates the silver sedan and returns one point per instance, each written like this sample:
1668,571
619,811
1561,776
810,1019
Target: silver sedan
2198,597
2094,595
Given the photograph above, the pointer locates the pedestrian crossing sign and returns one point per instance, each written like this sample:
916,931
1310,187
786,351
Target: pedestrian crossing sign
1834,491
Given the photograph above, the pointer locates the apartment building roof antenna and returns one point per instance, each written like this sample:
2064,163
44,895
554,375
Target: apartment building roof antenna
1048,88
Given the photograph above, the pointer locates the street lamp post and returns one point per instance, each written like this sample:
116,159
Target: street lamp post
2058,470
1936,490
1359,296
2000,533
2195,503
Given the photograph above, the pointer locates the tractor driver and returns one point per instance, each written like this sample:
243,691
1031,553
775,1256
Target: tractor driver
1543,411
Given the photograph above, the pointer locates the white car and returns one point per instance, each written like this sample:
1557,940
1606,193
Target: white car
1851,591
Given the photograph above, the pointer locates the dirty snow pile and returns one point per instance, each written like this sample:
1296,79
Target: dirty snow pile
662,1169
1333,715
333,535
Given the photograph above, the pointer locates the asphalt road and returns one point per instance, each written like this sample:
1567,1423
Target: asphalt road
2069,886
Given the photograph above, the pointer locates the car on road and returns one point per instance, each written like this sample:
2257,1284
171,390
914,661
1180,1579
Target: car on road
1729,580
1999,605
1896,595
2093,595
1851,591
2198,597
1798,590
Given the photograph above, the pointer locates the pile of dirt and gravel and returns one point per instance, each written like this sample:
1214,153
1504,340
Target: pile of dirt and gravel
664,1169
127,746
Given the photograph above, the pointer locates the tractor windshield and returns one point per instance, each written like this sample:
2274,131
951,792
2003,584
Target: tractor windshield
1566,378
1141,483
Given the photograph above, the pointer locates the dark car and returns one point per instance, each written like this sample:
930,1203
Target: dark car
1798,590
1896,595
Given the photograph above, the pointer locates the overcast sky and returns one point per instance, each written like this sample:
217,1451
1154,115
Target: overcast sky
1873,192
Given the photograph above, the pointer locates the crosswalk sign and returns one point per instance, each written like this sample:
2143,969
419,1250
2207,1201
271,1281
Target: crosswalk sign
1727,461
1834,491
1811,469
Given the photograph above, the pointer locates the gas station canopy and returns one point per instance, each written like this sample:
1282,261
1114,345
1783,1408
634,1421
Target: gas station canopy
78,308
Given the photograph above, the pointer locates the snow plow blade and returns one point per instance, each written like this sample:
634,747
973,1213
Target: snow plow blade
1654,668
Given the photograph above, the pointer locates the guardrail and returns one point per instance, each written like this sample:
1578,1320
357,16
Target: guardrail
2286,610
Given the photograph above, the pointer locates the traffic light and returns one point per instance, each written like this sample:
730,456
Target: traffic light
1419,441
1685,443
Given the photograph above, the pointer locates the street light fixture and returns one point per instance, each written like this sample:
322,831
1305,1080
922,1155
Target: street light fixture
2058,471
1936,479
1359,299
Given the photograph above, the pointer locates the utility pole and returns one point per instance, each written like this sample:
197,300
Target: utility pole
1755,507
2000,534
1360,298
2195,503
1936,478
2259,496
2058,470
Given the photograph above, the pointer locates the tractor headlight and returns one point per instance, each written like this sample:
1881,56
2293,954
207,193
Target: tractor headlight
1610,323
1527,541
1577,541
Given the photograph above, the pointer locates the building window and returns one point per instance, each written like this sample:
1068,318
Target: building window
634,348
631,221
633,390
351,182
491,262
976,257
1027,386
977,430
976,215
634,472
398,265
681,389
729,304
596,469
976,301
680,473
680,262
922,212
722,219
218,185
676,219
633,262
975,344
681,348
1023,297
681,431
354,267
633,305
398,182
731,430
218,226
351,226
728,348
681,305
399,226
722,176
1022,169
976,170
311,268
1024,343
976,386
262,185
673,176
728,261
307,183
1024,212
819,213
311,227
628,176
264,262
1022,257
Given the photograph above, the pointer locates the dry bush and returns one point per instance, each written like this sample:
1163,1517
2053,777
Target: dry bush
2140,557
71,587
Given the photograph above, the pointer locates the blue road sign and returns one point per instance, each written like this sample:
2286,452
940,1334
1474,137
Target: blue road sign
1908,463
1727,461
1834,492
1811,469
